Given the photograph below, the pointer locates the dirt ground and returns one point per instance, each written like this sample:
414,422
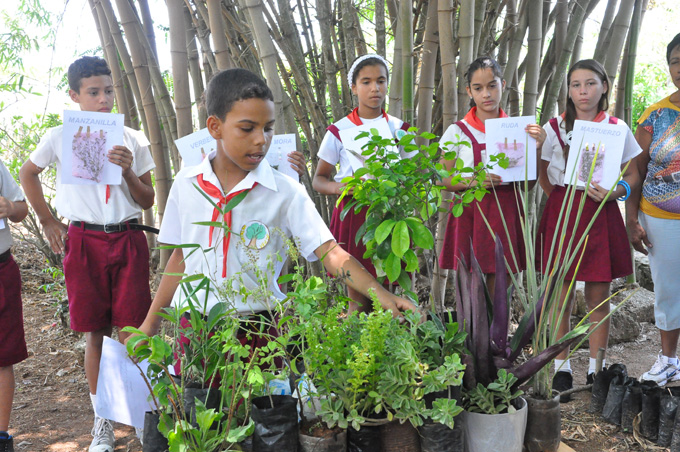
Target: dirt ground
52,410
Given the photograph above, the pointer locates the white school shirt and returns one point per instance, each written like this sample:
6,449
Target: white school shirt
278,203
10,190
332,151
454,134
552,149
88,202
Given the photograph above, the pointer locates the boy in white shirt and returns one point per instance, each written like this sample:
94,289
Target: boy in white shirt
12,340
106,257
274,209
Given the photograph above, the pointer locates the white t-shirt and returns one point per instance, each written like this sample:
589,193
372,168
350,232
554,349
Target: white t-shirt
277,207
454,135
88,202
10,190
552,149
332,151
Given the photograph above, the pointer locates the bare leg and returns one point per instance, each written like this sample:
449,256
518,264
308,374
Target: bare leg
595,293
564,326
669,343
93,354
6,395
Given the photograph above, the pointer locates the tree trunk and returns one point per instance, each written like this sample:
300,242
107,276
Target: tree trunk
466,34
405,19
180,68
380,27
619,32
602,37
533,58
428,69
218,34
577,19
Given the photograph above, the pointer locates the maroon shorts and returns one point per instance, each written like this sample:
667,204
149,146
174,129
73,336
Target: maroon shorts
107,278
12,341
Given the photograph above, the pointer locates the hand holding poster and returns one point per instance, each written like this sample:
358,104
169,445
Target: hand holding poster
195,147
598,147
277,155
507,136
87,139
354,146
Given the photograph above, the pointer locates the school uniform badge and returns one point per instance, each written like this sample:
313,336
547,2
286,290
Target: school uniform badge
255,235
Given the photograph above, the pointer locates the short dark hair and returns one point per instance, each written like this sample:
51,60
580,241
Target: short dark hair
84,67
671,46
230,86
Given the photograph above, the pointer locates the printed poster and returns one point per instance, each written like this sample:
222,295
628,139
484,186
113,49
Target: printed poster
277,155
354,145
507,136
87,138
599,146
195,147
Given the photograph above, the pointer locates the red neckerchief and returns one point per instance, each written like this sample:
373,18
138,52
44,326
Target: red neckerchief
598,118
356,120
222,200
472,119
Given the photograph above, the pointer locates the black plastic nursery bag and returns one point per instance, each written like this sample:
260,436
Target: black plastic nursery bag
276,429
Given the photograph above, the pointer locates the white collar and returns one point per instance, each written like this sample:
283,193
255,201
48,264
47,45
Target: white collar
262,175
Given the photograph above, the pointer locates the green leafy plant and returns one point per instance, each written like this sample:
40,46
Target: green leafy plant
496,397
401,196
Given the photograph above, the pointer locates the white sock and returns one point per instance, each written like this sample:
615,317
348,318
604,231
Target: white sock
562,365
593,365
673,360
93,398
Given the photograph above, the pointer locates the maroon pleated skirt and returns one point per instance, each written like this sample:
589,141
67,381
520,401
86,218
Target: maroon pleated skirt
470,229
607,252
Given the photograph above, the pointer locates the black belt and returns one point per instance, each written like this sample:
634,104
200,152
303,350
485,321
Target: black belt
133,224
4,257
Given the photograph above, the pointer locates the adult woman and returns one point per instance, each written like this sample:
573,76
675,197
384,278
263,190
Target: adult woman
653,215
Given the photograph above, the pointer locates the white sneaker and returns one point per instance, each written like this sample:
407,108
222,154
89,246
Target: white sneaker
662,371
103,439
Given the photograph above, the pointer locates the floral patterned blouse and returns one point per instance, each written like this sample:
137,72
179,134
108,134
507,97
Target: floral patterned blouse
661,188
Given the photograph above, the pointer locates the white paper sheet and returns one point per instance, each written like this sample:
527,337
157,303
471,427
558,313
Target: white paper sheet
122,394
195,147
605,143
277,155
87,138
353,146
2,223
507,136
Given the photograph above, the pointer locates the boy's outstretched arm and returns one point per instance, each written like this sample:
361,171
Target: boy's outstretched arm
166,290
140,187
335,258
55,231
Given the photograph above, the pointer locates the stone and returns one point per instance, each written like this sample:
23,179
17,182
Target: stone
643,274
624,327
639,305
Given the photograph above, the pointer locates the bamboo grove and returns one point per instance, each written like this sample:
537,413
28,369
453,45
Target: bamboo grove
303,49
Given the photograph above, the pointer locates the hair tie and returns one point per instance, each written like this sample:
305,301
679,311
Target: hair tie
350,73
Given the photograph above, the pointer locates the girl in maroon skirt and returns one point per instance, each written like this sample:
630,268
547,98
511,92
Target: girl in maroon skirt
368,78
607,254
485,86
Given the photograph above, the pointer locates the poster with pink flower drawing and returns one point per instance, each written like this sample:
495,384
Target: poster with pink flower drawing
595,153
507,136
87,138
